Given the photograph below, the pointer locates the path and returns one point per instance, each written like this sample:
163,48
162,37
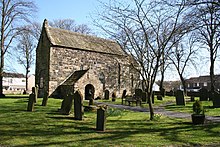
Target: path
160,110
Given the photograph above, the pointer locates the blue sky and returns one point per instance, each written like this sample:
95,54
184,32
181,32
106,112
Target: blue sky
78,10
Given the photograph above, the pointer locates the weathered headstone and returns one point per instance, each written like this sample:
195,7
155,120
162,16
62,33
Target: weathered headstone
45,98
123,96
67,104
35,91
138,94
113,96
101,118
179,98
144,96
106,94
78,106
216,99
204,95
159,97
31,102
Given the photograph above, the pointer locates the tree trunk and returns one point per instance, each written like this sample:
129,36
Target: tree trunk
150,105
183,83
212,74
26,77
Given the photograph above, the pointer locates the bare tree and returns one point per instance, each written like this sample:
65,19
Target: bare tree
145,31
25,50
205,14
13,13
183,55
69,24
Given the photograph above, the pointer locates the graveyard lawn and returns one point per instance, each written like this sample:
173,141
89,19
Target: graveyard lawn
46,127
208,106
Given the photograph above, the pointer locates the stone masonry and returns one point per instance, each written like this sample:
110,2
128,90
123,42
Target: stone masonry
59,55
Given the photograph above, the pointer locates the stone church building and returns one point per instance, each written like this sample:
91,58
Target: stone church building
68,61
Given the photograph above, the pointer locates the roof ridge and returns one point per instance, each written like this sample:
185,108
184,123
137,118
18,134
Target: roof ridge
81,34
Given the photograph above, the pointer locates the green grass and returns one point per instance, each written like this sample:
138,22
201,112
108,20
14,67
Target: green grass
209,110
46,127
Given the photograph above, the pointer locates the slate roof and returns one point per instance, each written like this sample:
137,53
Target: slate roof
74,77
68,39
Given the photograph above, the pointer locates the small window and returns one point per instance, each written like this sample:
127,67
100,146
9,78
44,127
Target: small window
23,81
205,84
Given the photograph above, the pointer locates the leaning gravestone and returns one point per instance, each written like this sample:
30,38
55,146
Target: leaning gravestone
101,118
203,94
216,99
78,106
67,104
31,102
106,94
179,98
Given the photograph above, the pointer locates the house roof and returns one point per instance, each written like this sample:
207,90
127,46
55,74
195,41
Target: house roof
68,39
13,75
202,79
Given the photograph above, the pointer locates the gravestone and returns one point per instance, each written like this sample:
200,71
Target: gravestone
67,104
35,91
203,94
101,118
78,106
159,97
179,98
113,96
123,96
106,94
216,99
138,94
144,96
45,98
31,101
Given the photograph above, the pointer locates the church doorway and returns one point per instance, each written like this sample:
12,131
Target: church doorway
89,92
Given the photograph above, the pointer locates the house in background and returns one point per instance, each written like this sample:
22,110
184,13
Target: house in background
14,83
202,81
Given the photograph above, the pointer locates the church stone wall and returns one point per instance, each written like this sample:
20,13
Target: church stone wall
114,68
